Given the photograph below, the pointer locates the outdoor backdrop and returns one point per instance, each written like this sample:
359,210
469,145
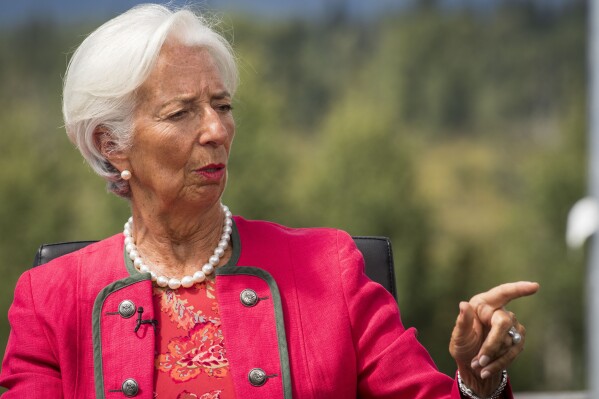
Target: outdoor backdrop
457,131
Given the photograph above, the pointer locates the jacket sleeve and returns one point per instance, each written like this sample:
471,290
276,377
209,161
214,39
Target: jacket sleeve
30,368
391,362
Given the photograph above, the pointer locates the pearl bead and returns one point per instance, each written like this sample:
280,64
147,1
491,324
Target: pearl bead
174,283
199,276
207,269
133,254
130,247
213,260
187,281
228,222
137,262
154,276
228,229
144,268
128,241
219,252
162,281
223,244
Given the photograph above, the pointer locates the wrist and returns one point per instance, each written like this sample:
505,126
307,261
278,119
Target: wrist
470,393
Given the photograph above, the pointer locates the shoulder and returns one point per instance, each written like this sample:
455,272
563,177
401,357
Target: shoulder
262,229
318,250
89,253
93,262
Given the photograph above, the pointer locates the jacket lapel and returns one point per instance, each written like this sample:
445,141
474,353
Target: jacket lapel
254,331
124,356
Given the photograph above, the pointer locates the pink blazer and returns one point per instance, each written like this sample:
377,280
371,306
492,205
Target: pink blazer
319,328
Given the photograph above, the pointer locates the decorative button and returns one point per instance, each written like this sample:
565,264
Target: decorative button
257,377
126,309
248,297
130,387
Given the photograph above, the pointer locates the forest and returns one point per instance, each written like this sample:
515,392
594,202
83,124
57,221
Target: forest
458,133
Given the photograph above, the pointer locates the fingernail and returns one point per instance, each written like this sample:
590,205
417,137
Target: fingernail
485,374
484,360
475,364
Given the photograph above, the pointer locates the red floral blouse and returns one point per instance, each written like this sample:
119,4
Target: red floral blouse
191,360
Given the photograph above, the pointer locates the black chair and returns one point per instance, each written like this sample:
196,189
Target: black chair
377,253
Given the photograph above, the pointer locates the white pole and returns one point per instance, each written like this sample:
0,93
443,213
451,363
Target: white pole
593,266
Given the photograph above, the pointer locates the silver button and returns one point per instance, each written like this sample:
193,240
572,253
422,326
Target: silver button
130,387
257,377
126,309
248,297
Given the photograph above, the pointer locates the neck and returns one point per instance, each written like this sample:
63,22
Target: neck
178,245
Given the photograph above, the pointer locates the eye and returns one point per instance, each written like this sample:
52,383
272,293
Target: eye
224,108
177,115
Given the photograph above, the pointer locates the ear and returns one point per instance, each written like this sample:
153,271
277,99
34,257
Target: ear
106,144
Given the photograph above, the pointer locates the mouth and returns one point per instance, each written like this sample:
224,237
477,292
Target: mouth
211,168
213,171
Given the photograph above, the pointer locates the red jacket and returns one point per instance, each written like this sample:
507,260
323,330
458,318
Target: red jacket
320,328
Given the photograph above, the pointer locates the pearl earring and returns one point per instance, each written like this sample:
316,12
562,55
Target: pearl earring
125,175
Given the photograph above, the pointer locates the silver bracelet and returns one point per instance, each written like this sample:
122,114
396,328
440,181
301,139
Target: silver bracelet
467,392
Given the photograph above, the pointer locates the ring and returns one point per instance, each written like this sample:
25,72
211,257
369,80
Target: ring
516,337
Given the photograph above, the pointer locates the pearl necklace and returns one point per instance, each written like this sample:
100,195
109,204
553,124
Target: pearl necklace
186,281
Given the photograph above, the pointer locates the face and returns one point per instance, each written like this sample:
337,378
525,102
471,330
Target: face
183,131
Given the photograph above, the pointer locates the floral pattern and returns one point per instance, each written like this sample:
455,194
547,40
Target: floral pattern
190,350
199,352
180,312
207,395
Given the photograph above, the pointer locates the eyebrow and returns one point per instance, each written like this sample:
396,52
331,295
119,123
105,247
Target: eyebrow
189,99
178,99
222,94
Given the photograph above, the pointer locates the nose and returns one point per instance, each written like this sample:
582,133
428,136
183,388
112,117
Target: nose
212,131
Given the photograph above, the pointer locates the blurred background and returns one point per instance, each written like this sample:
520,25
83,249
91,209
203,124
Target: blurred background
456,128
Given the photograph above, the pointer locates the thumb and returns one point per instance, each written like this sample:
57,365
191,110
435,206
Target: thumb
466,336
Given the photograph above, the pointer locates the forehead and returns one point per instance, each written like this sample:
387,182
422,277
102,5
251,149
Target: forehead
181,69
179,55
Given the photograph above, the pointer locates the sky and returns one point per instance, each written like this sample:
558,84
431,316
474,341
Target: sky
66,11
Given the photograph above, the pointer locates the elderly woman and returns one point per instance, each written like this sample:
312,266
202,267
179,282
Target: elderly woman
191,302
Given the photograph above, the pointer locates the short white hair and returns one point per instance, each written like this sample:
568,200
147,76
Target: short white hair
113,61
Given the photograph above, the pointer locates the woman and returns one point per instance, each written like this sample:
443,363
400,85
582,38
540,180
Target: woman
190,302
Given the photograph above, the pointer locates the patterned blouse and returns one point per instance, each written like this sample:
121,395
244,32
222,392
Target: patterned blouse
191,360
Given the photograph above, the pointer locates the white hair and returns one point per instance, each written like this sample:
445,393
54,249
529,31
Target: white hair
113,61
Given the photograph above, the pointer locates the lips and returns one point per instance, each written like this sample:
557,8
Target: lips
212,172
211,168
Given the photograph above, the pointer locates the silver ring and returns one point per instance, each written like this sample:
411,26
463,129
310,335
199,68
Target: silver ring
516,337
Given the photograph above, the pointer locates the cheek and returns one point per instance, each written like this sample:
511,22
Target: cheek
159,157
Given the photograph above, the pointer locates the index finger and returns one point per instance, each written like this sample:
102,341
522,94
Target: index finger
496,298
